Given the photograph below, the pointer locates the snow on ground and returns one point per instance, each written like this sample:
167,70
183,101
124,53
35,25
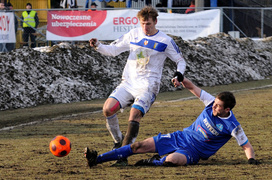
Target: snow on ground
67,73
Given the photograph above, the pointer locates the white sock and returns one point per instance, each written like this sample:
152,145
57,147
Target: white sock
112,125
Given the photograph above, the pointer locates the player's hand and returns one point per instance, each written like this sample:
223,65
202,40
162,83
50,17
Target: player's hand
94,42
178,78
176,82
253,161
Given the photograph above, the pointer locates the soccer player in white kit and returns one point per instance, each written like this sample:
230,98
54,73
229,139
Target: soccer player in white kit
141,76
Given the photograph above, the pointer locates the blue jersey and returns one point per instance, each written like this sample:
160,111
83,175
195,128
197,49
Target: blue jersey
209,133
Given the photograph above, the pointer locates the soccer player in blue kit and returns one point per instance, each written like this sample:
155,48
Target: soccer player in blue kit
211,130
148,48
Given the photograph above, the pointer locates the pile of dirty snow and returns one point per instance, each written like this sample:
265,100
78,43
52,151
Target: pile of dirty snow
67,73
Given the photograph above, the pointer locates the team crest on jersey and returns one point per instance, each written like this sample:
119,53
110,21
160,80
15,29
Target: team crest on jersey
145,42
142,57
219,126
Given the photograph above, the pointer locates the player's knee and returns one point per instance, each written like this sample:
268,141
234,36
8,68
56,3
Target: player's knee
135,115
135,146
171,162
109,110
175,160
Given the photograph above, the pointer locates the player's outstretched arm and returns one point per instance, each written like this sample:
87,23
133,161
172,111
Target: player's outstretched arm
250,153
191,87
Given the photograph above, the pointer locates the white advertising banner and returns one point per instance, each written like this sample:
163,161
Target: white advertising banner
110,25
190,26
7,27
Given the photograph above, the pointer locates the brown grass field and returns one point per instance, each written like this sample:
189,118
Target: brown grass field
25,147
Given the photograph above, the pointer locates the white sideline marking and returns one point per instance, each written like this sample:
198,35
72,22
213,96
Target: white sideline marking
48,119
194,97
74,115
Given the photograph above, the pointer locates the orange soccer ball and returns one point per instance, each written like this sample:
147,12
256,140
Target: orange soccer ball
60,146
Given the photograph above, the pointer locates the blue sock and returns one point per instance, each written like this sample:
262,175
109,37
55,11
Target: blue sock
122,152
159,162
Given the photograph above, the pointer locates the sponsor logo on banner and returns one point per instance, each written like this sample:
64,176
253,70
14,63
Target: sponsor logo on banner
124,24
74,23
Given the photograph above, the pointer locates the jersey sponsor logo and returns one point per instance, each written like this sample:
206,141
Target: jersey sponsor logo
203,132
139,100
155,45
240,133
209,126
220,127
238,130
166,135
240,136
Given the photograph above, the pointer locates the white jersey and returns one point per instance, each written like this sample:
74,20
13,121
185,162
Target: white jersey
144,65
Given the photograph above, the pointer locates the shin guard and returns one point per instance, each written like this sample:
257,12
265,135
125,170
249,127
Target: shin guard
132,133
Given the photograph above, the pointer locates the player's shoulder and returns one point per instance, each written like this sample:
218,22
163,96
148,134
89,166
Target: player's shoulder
135,30
162,34
231,120
162,37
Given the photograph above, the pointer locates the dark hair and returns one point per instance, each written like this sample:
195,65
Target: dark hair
9,4
147,12
228,99
28,4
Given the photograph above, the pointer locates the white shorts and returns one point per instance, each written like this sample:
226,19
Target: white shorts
139,100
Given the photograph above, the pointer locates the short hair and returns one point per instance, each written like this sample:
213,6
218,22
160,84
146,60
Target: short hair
228,99
147,12
9,4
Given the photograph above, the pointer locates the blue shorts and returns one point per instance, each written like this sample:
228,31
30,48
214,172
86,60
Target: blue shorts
174,142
